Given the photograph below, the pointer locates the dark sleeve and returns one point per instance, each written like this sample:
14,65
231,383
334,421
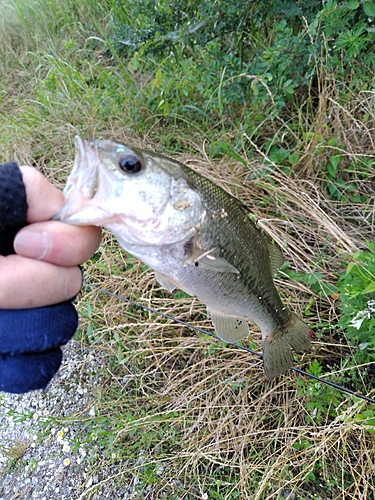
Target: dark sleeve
30,341
13,205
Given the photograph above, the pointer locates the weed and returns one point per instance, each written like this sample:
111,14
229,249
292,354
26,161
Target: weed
16,450
357,287
321,401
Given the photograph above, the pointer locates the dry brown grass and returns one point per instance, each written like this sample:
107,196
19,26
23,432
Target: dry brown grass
212,416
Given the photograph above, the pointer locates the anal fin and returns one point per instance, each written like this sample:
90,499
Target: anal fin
229,328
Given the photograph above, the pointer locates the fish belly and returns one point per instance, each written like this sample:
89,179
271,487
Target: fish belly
228,294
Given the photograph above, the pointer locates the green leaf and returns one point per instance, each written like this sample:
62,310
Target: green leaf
333,141
233,154
328,288
369,9
293,158
352,5
356,198
349,267
369,288
333,165
315,368
335,160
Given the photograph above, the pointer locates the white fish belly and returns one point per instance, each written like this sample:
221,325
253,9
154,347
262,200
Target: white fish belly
229,293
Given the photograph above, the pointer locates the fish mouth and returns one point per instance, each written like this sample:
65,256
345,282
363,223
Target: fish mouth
82,185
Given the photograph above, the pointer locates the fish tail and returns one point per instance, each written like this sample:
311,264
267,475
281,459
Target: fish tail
277,348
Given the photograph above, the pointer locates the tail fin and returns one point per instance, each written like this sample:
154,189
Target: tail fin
277,348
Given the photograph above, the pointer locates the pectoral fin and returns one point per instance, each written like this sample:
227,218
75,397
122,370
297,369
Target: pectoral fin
229,328
207,260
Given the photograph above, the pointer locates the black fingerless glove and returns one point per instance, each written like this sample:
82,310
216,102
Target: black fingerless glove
30,339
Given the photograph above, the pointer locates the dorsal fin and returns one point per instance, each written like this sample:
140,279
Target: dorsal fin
276,257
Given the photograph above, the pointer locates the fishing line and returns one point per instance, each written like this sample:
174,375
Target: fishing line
239,346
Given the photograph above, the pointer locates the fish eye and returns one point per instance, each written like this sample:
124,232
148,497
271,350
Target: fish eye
130,164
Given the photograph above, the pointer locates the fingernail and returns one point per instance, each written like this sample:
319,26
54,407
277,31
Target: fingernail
33,244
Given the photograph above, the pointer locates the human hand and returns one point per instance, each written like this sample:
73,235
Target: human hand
44,269
36,283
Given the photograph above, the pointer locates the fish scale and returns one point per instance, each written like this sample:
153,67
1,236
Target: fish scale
238,226
193,234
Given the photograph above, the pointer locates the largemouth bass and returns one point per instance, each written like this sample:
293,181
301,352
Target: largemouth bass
193,234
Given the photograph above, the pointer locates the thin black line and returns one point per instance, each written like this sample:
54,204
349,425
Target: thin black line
239,346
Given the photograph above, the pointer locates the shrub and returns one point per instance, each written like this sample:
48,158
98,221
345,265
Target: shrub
357,304
226,55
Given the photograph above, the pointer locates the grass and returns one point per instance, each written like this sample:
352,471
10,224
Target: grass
186,415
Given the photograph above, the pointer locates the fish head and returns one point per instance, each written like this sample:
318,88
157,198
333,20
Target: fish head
142,197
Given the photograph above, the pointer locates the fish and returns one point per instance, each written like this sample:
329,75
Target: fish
196,237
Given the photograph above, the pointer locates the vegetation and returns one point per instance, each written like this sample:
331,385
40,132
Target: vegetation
275,101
